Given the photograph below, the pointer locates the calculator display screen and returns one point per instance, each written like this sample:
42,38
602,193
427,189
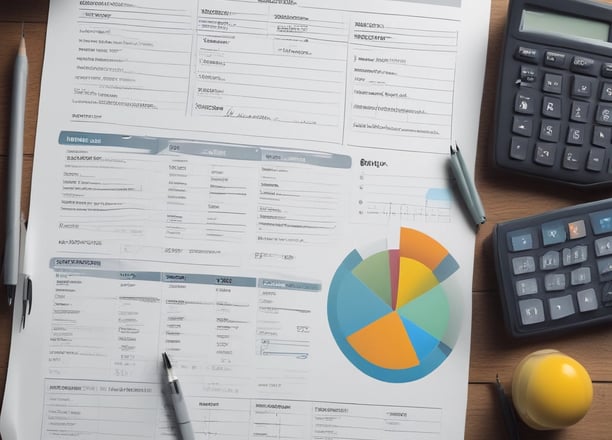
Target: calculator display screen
564,25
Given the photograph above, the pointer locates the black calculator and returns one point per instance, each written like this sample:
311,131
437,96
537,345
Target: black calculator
554,95
555,269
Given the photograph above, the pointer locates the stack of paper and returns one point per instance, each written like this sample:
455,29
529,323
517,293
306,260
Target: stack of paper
260,189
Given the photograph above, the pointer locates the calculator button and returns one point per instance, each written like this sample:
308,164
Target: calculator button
606,294
606,92
575,255
551,107
553,233
576,229
526,287
604,267
550,130
554,282
561,307
606,70
532,311
529,74
582,87
550,260
524,102
584,65
518,148
521,240
566,255
603,114
521,265
528,54
587,300
580,112
595,159
602,136
575,134
579,254
571,158
553,83
555,59
601,221
522,126
603,246
544,154
580,276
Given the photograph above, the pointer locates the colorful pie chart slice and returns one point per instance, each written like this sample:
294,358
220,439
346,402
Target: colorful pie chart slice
389,312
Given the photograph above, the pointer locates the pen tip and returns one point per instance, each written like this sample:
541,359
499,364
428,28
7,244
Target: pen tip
166,360
22,49
10,292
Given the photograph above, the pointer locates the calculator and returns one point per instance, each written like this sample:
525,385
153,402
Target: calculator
554,270
554,93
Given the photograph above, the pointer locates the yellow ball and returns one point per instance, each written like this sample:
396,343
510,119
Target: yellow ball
551,390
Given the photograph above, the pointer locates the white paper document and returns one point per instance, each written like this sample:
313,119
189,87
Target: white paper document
259,188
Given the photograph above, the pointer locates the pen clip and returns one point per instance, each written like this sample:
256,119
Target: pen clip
26,288
27,299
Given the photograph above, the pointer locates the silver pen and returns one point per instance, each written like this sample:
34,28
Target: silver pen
15,164
467,187
178,402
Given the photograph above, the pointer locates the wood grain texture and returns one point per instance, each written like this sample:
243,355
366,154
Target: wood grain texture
505,197
35,43
484,421
34,11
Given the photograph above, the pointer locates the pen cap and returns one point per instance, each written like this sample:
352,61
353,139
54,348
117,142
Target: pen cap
551,390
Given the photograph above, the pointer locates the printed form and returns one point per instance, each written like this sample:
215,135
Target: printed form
259,188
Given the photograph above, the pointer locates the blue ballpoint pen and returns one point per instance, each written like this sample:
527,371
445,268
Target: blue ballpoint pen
178,402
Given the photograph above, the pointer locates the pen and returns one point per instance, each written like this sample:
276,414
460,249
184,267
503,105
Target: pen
507,411
467,187
178,402
15,164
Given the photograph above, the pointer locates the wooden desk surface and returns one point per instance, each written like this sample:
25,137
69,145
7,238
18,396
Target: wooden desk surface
504,197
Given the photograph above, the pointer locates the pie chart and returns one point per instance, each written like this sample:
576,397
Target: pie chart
389,311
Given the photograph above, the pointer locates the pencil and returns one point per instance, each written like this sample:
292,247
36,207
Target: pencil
15,164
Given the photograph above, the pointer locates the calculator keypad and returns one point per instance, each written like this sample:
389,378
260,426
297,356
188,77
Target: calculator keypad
555,270
561,115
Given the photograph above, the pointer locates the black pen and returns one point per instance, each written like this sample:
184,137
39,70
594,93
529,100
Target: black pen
507,411
178,401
